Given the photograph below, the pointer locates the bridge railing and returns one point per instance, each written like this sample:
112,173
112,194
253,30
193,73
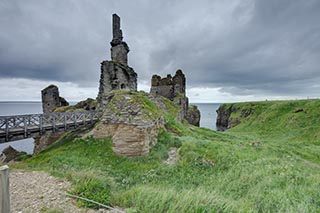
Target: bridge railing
26,125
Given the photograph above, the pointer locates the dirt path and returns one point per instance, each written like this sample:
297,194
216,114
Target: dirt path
39,192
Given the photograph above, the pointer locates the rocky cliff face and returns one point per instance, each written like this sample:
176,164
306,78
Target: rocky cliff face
133,120
193,115
230,116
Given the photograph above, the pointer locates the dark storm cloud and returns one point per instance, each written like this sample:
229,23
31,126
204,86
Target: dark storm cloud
267,46
241,46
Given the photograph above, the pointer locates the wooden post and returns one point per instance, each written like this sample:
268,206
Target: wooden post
25,126
4,190
65,121
75,120
91,116
53,123
40,124
7,129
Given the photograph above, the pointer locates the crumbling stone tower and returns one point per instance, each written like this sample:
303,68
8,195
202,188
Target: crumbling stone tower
51,99
173,88
116,74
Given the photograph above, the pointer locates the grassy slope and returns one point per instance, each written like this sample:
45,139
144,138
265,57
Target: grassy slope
216,171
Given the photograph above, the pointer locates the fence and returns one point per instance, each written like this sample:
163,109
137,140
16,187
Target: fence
24,126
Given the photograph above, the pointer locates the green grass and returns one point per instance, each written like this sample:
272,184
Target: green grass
216,172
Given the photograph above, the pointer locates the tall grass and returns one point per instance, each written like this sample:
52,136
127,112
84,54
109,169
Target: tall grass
216,172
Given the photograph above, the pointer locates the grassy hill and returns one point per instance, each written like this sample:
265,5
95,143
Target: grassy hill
268,162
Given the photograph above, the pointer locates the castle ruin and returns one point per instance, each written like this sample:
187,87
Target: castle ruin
174,88
116,74
51,99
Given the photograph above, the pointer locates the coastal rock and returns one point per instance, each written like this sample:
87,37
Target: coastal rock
9,154
193,115
88,104
226,121
133,120
42,142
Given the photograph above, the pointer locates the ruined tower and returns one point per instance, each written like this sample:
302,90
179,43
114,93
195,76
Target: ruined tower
51,99
119,48
174,88
116,74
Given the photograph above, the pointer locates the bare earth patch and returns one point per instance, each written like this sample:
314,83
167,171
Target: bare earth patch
39,192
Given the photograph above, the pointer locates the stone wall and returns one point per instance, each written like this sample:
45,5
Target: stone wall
116,74
51,99
169,87
174,88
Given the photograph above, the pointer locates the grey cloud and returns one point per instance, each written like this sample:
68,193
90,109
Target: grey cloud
241,46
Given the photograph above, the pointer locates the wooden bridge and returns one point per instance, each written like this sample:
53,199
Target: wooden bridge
18,127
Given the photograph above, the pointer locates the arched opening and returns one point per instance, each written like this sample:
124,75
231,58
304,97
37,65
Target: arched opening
123,86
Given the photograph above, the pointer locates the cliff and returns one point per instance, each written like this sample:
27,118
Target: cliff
297,119
230,115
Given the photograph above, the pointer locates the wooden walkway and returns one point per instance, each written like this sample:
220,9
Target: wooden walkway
18,127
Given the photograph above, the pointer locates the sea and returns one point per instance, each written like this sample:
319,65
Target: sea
208,119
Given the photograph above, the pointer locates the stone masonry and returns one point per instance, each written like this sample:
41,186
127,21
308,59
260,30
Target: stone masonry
174,88
51,99
116,74
169,87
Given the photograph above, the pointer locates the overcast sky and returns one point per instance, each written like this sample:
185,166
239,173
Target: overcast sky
235,50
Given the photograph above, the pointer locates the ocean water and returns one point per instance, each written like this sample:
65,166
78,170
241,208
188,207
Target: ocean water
208,114
208,119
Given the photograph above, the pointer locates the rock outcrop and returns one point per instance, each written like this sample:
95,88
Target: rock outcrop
51,99
225,120
9,154
133,120
193,115
116,74
42,142
86,105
